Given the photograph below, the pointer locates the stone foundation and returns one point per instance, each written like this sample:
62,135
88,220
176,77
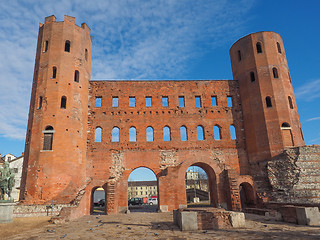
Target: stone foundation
21,210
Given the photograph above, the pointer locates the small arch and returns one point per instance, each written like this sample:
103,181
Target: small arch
233,132
278,47
166,134
86,54
252,77
183,133
132,134
268,102
200,133
48,138
40,102
290,102
76,76
259,47
98,134
54,72
217,132
63,104
239,55
67,46
149,134
98,201
285,125
275,72
115,134
247,195
287,137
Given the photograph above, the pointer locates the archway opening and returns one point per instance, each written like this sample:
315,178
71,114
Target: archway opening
247,195
142,190
200,186
98,201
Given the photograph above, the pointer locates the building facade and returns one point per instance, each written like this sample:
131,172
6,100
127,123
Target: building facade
85,134
142,189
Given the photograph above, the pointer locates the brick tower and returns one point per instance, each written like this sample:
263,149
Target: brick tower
55,150
270,114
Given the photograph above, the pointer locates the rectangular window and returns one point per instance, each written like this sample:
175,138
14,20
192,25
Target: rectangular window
115,102
165,102
181,101
229,98
132,101
148,101
198,101
98,101
214,101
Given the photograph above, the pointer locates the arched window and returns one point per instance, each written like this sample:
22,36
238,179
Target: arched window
217,132
278,47
149,134
268,102
239,55
40,102
259,47
54,72
290,102
115,134
252,77
48,138
275,72
183,133
233,132
166,134
200,133
98,134
86,54
67,46
76,76
63,102
285,125
132,134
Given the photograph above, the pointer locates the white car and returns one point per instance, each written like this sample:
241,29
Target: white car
152,201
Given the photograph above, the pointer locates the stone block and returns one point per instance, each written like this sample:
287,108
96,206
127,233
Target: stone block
308,216
6,212
188,221
237,219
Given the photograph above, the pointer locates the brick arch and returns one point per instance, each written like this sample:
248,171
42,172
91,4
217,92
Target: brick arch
93,189
248,195
142,166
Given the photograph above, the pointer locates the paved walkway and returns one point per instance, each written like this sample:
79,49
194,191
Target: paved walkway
148,226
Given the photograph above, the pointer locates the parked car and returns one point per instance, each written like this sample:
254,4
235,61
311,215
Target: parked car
135,201
102,202
152,201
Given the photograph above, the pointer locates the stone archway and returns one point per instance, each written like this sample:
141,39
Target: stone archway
247,195
98,201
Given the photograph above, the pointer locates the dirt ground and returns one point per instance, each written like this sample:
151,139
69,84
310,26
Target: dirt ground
148,226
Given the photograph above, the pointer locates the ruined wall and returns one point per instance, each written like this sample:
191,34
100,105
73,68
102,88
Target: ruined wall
294,175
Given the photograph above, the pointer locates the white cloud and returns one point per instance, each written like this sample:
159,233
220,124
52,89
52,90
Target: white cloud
313,119
309,91
132,39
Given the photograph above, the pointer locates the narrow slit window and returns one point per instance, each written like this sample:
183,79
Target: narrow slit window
166,134
115,134
46,44
183,133
290,102
181,101
275,72
98,134
40,102
252,77
278,47
67,46
132,101
259,47
86,54
132,134
54,72
239,55
200,133
217,132
148,101
115,102
229,100
198,101
76,76
233,132
165,102
98,101
63,104
48,138
149,134
268,102
214,101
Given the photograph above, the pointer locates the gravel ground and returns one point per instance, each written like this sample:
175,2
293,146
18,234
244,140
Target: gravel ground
148,226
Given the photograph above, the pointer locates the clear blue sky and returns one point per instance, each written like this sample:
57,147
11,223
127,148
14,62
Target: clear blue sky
158,40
